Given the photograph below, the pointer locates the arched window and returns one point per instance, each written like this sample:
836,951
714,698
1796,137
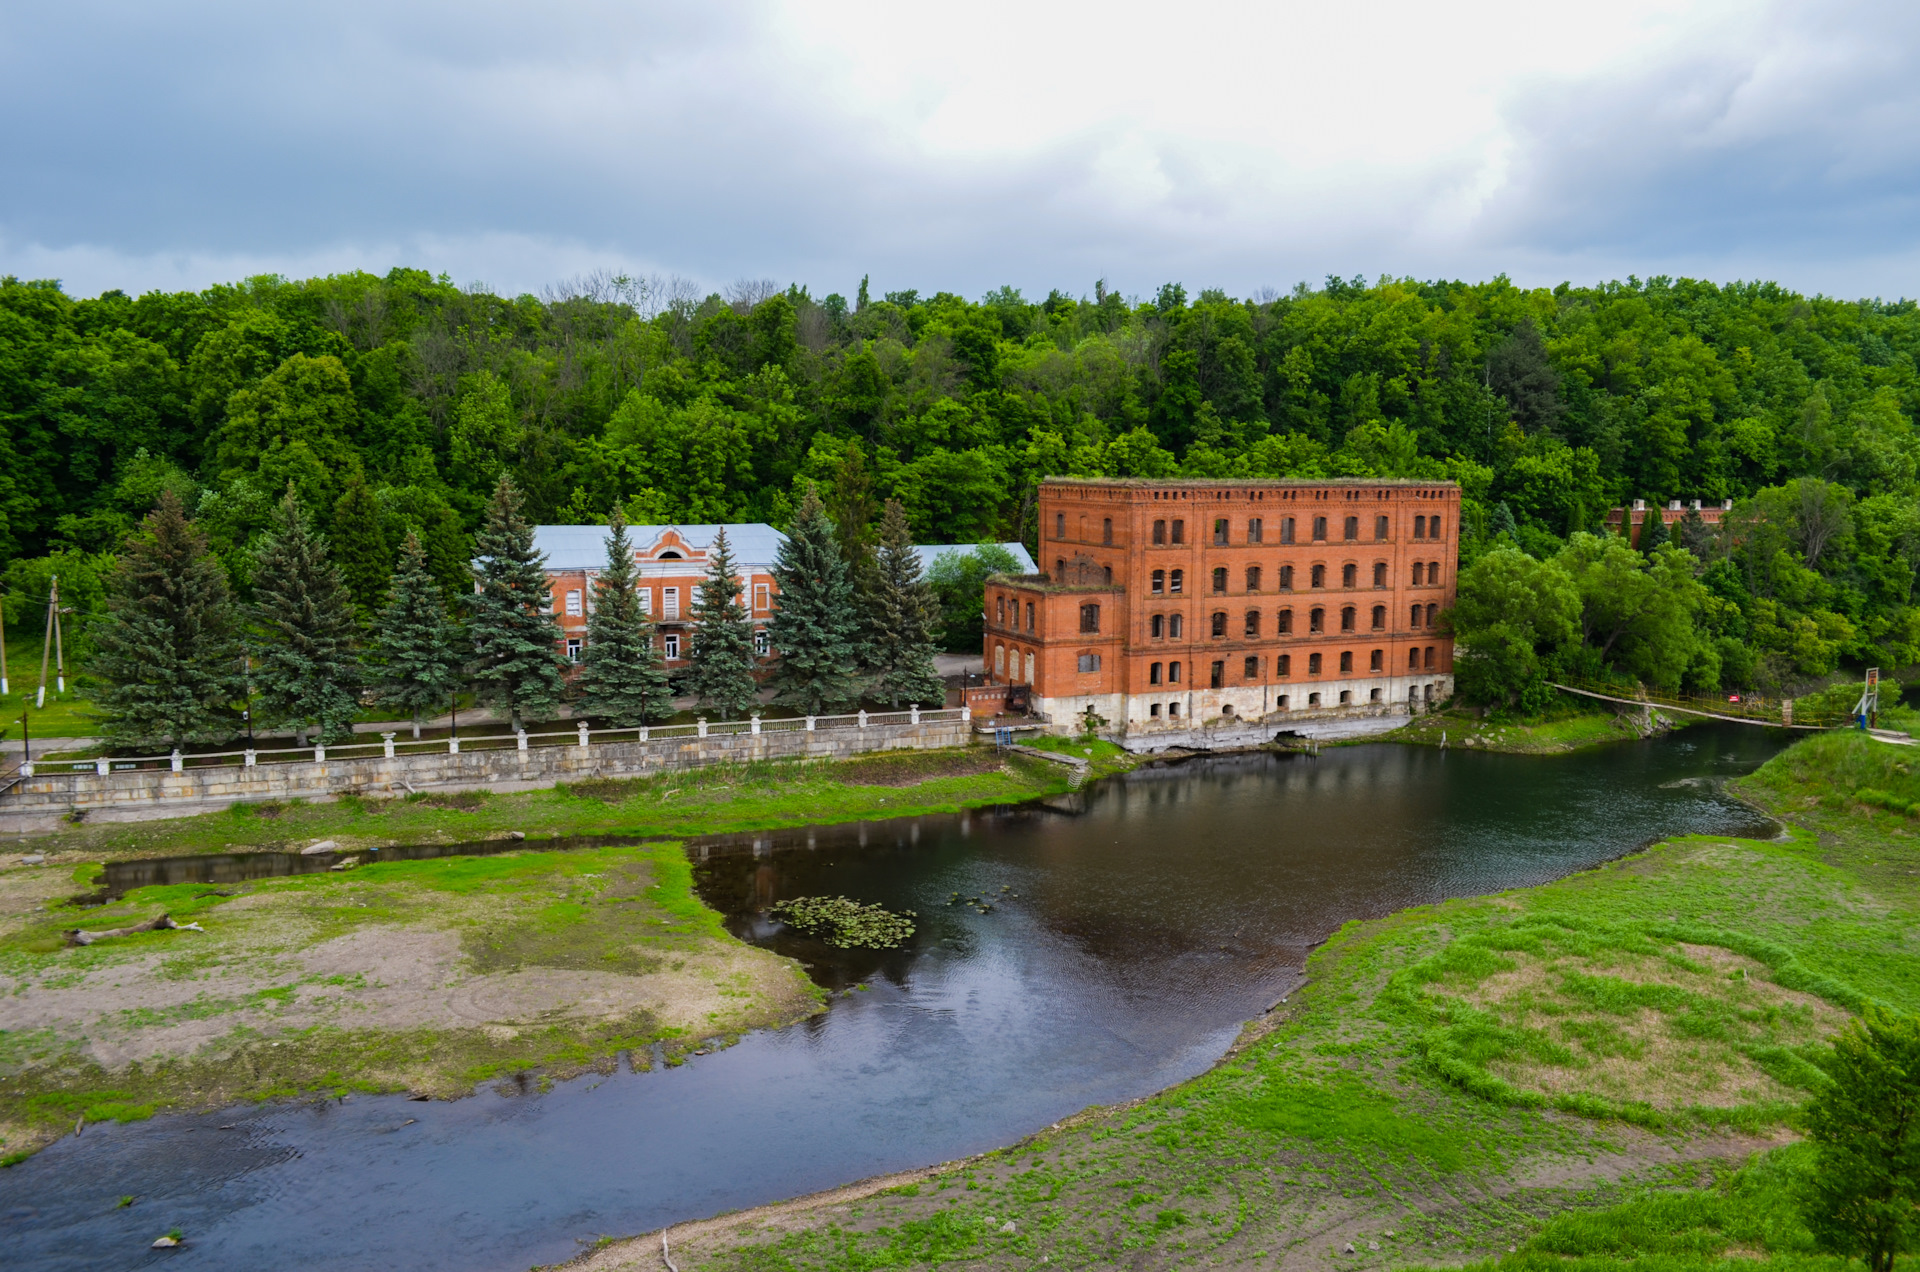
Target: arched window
1029,666
1059,525
1379,618
1319,576
1313,665
1179,530
1283,667
1433,573
1419,574
1255,530
1173,673
1176,624
1000,610
1286,578
1250,668
1349,575
1283,622
1059,569
1419,527
1413,659
1157,626
1160,532
1159,584
1286,529
1253,623
1433,612
1220,532
1346,660
1000,659
1109,570
1379,573
1319,529
1418,610
1153,671
1380,528
1219,623
1352,528
1106,531
1433,527
1253,578
1176,581
1346,618
1378,660
1316,619
1430,657
1219,578
1217,676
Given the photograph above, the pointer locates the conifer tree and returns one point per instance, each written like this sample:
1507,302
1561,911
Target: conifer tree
169,650
417,667
1653,531
360,546
304,667
516,657
722,647
623,680
902,616
815,627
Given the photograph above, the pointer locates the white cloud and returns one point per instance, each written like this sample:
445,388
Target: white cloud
1039,143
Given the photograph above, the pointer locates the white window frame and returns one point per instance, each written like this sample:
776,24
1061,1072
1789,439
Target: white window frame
575,607
646,600
669,602
762,597
573,649
673,644
762,643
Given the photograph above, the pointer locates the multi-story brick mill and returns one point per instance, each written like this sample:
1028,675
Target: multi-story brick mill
1162,605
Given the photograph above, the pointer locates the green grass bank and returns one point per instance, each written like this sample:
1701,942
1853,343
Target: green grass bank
430,975
1603,1071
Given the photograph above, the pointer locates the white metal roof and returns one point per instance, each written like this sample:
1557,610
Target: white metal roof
931,552
754,543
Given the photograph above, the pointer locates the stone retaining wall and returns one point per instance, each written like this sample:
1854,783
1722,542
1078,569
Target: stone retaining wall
41,801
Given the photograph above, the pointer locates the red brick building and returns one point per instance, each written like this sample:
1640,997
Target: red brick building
1636,516
1163,604
672,564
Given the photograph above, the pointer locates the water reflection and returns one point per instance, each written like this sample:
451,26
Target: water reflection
1122,949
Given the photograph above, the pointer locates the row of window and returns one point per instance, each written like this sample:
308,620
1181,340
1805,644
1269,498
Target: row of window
1284,703
1173,582
1173,626
1250,670
670,645
1174,531
573,603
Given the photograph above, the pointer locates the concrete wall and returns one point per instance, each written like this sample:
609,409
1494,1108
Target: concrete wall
41,801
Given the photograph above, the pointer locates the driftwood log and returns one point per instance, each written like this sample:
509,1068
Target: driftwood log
80,936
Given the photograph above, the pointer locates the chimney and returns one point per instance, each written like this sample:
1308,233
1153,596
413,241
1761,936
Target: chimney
1726,505
1673,505
1639,505
1696,505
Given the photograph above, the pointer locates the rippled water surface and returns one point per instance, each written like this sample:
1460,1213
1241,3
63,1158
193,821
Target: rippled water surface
1122,948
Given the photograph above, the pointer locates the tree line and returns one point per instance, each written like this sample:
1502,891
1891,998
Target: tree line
393,404
182,661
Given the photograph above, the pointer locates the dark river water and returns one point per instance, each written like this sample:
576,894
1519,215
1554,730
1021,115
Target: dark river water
1122,949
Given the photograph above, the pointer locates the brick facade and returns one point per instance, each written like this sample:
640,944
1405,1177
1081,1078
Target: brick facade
672,563
1636,517
1165,604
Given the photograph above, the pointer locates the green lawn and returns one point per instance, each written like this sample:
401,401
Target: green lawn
65,715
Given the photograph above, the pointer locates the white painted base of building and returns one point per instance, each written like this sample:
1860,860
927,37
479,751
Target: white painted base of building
1250,715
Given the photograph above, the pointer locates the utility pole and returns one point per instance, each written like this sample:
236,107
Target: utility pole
46,642
59,649
4,690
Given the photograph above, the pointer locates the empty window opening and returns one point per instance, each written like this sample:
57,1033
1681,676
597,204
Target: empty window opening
1433,527
1217,676
1173,673
1430,652
1153,710
1283,667
1413,659
1179,530
1319,576
1419,527
1029,615
1220,532
1377,661
1417,611
1380,527
1106,531
1346,660
1173,709
1316,619
1059,525
1283,622
1176,626
1352,528
1286,578
1281,703
1251,669
1379,573
1349,575
1153,673
1089,618
1255,530
1286,529
1419,574
1313,699
1346,618
1158,585
1159,532
1346,697
1313,664
1176,581
1379,618
1253,623
1253,578
1157,626
1219,623
1219,578
1319,529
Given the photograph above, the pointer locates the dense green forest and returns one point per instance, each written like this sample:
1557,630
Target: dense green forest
395,403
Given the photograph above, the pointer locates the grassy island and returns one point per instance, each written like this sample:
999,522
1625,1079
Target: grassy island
1599,1071
427,975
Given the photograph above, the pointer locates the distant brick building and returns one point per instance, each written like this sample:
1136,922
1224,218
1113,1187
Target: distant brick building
1164,603
1711,514
672,562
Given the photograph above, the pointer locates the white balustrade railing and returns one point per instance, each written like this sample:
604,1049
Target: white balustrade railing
582,735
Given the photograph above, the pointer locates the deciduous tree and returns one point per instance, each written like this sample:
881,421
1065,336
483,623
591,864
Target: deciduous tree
1863,1200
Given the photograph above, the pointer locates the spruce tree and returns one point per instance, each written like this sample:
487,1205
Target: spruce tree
623,680
1653,531
417,668
516,656
304,667
722,647
902,616
169,650
814,626
360,546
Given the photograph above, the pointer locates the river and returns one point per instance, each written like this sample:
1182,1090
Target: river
1104,956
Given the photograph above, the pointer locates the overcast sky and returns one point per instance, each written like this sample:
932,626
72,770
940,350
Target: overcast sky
963,146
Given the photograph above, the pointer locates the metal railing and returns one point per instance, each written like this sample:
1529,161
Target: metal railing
1750,709
389,747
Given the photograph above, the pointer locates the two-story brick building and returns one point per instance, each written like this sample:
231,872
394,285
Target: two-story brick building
672,564
1167,603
